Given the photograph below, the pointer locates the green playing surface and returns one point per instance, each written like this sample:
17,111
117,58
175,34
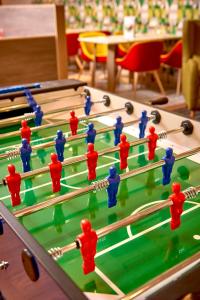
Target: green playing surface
130,256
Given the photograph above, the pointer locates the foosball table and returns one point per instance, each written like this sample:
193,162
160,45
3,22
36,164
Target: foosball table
99,196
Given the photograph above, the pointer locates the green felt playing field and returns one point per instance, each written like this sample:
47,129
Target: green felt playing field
130,256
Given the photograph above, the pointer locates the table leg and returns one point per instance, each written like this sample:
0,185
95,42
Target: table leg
93,71
111,67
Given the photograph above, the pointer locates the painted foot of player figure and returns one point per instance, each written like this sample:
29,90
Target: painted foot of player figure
143,124
176,209
73,122
55,171
119,125
169,160
25,153
124,147
38,116
25,131
60,141
112,189
91,134
152,143
14,182
92,157
88,243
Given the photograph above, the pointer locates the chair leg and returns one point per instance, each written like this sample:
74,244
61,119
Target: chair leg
119,71
192,114
159,83
92,72
135,81
79,64
130,77
178,87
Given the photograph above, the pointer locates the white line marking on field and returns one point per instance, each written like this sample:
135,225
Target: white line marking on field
109,282
142,233
111,157
138,210
67,177
150,204
70,186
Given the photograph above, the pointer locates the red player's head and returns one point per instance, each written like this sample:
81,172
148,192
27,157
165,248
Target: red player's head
11,169
54,158
72,113
86,226
123,138
176,187
152,129
90,147
23,123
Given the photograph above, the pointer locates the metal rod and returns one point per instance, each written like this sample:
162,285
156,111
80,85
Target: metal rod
191,192
59,123
17,119
69,139
82,158
98,185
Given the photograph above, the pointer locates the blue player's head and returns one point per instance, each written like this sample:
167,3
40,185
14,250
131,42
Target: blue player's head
169,152
38,108
90,126
144,113
119,119
113,172
88,98
24,142
59,134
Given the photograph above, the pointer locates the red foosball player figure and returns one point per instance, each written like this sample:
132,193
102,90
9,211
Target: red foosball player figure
25,131
176,208
55,171
92,157
87,242
73,122
124,147
14,182
152,142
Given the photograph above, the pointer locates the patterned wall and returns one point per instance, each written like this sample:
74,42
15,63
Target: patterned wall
167,15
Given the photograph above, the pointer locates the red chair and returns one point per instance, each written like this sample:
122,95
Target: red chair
174,60
73,47
143,57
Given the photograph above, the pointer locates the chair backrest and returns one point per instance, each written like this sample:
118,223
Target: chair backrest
88,48
175,55
72,43
191,41
143,57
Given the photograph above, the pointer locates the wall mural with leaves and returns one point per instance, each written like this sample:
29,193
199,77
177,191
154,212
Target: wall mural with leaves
164,15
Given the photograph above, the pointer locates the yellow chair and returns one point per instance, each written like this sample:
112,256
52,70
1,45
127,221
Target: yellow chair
123,48
90,53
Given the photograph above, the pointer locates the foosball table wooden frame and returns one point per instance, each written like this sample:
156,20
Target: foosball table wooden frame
178,281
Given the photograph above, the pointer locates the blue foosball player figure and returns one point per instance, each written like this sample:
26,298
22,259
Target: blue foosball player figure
143,124
25,153
112,189
38,116
91,134
1,226
60,141
119,125
88,105
31,101
168,166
